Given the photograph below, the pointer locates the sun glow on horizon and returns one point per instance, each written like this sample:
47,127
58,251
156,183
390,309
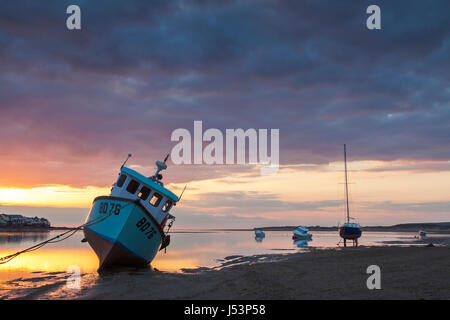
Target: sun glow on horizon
378,192
54,196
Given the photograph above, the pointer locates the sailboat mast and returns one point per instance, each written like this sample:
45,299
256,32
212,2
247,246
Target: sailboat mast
346,183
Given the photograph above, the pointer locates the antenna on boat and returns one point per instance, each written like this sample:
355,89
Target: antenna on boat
161,165
179,198
129,156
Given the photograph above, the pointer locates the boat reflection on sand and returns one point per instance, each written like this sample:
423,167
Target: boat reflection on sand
302,243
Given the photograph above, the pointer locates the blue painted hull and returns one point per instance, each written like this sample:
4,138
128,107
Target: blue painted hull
122,232
350,232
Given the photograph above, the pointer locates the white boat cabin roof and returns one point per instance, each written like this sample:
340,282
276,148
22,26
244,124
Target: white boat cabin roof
150,183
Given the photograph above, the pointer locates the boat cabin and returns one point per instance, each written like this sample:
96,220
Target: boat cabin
153,195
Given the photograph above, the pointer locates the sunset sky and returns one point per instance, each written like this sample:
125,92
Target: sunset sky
73,104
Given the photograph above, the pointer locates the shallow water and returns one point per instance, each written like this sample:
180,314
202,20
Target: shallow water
43,273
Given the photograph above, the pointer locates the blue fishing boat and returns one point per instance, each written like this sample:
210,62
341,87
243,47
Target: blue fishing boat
126,228
349,230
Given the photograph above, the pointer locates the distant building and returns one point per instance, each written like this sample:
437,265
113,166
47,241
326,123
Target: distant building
15,220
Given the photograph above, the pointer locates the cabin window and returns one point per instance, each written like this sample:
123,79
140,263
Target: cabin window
133,186
155,200
144,193
121,180
167,206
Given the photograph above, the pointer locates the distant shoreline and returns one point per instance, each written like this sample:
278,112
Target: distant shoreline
406,227
443,227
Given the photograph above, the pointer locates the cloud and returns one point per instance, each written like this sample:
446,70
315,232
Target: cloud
422,207
138,70
241,202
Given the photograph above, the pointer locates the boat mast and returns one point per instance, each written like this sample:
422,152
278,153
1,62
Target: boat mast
346,184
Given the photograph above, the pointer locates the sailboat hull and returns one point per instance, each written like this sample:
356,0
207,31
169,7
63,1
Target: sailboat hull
122,232
350,233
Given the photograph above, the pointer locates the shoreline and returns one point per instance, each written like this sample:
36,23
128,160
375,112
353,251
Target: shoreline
430,227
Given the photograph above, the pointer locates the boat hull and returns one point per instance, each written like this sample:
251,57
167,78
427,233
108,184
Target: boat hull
350,233
122,232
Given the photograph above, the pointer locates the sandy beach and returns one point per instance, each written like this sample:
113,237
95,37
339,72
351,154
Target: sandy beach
406,273
410,269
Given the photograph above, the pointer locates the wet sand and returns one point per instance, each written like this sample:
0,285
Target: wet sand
406,273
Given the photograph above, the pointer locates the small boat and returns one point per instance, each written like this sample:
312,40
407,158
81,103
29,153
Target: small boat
422,234
126,228
301,233
259,235
349,230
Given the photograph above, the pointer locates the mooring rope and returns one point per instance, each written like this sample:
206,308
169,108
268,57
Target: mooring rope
56,239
